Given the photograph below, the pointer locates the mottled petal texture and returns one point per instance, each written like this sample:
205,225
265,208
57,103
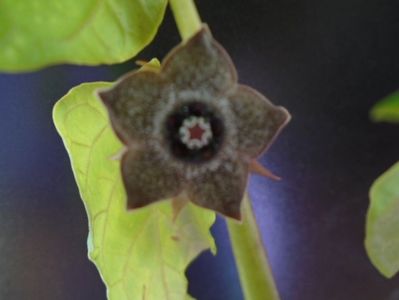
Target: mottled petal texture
200,64
221,190
132,103
148,178
258,121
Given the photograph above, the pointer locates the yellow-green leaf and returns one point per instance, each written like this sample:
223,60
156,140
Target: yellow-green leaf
141,254
37,33
387,110
382,228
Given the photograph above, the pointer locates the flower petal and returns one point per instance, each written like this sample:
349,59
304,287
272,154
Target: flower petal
221,190
132,103
257,120
148,178
200,64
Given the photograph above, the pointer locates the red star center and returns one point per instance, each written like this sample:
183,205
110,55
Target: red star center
196,132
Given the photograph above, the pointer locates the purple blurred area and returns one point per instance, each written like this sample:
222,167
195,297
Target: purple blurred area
327,61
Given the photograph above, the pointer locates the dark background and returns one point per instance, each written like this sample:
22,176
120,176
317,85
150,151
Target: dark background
327,61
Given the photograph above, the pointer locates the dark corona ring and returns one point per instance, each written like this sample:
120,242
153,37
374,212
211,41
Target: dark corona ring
194,132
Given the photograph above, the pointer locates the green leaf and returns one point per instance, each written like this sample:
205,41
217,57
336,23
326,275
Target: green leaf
141,254
387,109
382,228
37,33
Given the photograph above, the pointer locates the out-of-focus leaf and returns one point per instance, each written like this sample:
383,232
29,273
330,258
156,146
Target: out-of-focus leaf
141,254
37,33
382,229
387,110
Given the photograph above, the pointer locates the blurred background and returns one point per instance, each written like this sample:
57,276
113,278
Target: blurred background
327,61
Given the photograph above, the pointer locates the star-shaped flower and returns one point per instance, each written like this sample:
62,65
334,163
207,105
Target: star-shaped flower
190,129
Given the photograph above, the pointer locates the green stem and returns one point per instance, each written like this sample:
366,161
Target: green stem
255,274
186,17
253,268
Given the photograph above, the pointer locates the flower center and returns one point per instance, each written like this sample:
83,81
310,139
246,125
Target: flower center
194,132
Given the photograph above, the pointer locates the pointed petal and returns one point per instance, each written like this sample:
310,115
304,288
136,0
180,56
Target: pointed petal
132,103
258,121
221,190
257,167
148,178
201,65
178,203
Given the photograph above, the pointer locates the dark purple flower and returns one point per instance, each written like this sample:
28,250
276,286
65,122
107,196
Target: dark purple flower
190,129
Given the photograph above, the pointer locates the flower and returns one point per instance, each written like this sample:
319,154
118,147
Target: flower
190,128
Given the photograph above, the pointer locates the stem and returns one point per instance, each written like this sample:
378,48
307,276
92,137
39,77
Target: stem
255,275
186,16
253,268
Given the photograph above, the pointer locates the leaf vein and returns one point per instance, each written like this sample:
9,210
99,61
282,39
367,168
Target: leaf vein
87,21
